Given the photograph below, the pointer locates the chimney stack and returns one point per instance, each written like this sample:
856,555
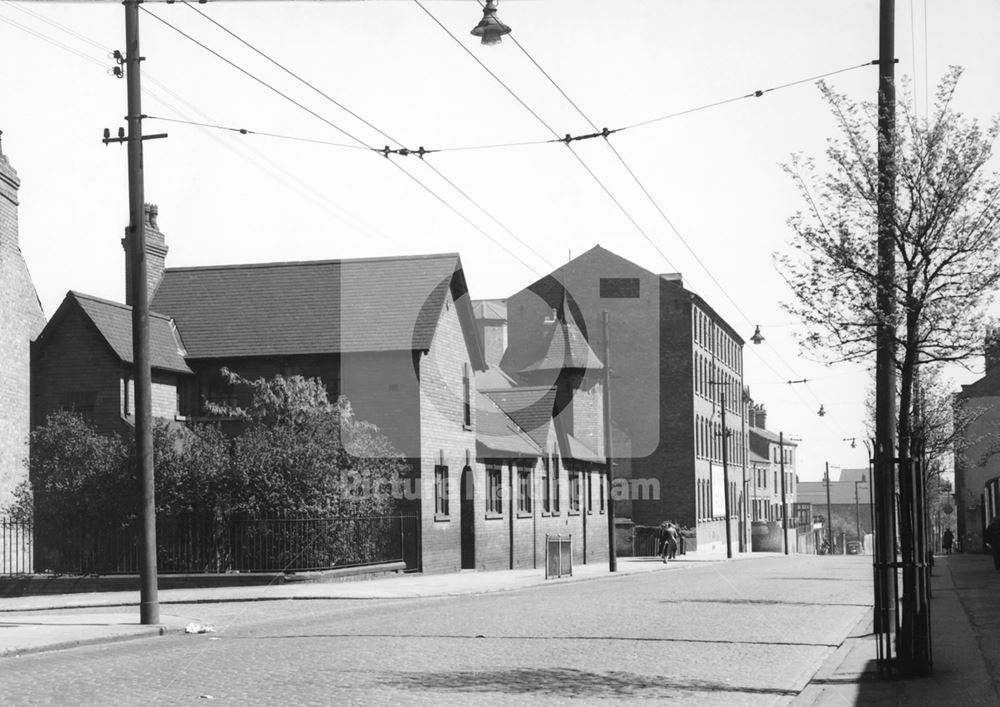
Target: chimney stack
156,254
9,184
991,347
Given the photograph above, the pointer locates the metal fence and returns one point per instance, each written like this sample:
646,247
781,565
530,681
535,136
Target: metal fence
15,547
200,543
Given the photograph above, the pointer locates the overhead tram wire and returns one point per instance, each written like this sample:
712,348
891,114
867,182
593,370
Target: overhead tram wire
654,202
254,157
378,130
548,127
246,131
344,132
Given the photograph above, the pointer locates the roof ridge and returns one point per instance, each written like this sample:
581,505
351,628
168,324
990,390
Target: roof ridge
112,303
303,263
518,388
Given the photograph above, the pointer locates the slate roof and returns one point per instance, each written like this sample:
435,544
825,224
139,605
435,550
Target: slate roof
499,433
530,407
567,346
841,493
316,307
113,321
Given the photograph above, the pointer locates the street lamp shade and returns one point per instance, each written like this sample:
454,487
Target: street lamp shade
490,28
757,338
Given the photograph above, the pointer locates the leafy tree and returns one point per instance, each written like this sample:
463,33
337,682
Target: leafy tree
945,232
300,453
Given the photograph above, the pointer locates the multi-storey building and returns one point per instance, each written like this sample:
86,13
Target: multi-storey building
678,374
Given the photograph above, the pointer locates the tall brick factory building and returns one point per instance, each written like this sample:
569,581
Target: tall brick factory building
21,319
675,361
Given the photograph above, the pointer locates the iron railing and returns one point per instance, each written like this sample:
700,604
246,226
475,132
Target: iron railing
201,543
15,547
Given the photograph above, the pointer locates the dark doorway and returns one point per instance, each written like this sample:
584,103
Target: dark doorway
468,520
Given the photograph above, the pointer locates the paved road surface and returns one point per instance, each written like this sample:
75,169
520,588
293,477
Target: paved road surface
749,632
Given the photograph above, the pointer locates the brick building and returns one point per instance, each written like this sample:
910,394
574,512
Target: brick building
976,461
82,361
675,361
395,335
764,469
850,504
21,319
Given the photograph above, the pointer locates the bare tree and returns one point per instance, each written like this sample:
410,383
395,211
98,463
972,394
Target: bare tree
945,230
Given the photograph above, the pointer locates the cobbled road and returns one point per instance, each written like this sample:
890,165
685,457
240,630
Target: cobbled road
742,632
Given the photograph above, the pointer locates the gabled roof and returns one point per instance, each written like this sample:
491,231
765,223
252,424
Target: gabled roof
770,436
316,307
494,309
841,492
113,322
567,346
497,432
575,449
530,407
493,378
986,387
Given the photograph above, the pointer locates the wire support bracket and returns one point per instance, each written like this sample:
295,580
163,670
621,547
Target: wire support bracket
604,132
403,151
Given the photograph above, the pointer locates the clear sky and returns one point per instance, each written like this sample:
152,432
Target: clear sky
715,173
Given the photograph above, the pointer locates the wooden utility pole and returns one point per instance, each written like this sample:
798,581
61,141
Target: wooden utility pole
725,474
885,344
829,513
608,448
149,606
784,503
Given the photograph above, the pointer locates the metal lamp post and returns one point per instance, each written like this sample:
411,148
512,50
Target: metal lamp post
857,506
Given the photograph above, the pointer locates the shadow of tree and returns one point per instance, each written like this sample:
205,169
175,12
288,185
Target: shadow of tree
567,682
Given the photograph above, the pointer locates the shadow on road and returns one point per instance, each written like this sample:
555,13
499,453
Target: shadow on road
567,682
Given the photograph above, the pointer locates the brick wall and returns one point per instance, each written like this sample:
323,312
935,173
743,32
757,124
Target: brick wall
444,438
517,540
21,320
74,368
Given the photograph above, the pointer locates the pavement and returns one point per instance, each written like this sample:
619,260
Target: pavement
34,624
965,631
965,620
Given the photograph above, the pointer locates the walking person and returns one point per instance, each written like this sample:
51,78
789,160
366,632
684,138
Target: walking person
947,540
992,538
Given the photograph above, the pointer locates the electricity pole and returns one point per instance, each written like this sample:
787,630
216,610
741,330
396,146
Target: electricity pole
784,503
149,606
885,334
829,514
608,450
725,466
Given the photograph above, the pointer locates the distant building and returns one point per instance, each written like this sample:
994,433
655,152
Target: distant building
764,469
21,319
675,360
850,503
977,460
